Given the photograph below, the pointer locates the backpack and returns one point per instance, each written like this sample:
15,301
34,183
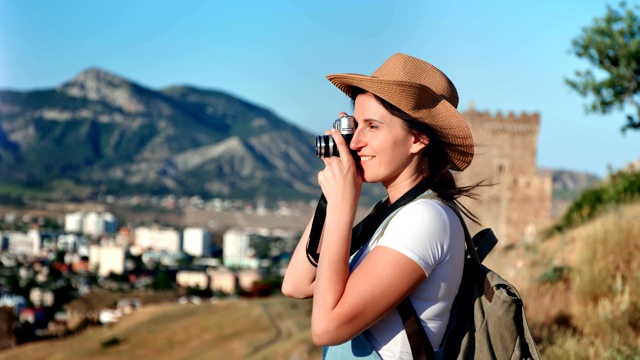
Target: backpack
487,319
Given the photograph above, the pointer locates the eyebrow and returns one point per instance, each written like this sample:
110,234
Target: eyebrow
370,120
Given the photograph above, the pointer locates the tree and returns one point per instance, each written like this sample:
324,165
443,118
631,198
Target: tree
162,281
611,44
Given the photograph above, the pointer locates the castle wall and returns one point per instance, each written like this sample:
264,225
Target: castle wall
517,201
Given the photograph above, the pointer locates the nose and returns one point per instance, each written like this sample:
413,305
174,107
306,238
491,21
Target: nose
357,141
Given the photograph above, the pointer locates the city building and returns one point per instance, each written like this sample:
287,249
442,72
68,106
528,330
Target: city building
193,279
158,239
243,248
124,236
247,278
71,242
107,259
40,297
73,222
196,241
29,243
222,280
94,224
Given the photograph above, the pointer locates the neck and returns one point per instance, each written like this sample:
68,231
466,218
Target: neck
397,189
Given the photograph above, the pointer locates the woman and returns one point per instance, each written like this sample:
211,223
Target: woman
409,135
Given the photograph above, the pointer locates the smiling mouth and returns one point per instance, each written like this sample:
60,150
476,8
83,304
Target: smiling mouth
366,157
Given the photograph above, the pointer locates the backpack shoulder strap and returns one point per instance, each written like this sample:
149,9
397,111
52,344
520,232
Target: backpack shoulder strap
477,248
484,241
362,232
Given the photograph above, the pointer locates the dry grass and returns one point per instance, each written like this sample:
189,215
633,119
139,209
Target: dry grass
274,328
581,288
581,291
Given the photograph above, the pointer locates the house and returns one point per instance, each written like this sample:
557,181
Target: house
193,279
33,316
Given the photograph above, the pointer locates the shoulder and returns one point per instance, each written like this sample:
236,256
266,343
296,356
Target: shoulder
425,214
426,231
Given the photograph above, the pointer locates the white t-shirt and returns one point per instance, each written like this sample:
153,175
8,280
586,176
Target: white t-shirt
428,232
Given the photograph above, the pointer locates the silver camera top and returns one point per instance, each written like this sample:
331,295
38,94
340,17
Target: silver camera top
345,124
325,146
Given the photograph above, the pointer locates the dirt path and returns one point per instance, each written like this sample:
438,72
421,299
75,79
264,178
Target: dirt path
283,327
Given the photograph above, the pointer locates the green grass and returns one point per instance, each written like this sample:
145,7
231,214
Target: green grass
17,190
59,188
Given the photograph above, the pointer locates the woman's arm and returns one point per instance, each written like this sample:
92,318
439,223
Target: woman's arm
344,305
301,275
376,287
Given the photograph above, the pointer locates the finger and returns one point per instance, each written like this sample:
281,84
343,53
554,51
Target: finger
341,144
342,114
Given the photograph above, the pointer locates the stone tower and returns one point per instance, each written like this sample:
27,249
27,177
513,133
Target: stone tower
518,201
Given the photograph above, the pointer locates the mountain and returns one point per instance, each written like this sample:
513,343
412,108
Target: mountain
107,133
567,186
570,182
102,133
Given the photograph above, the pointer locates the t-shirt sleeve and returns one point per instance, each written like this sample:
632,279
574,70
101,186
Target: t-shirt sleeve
421,231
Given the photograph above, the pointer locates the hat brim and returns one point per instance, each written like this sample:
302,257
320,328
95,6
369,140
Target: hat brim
421,103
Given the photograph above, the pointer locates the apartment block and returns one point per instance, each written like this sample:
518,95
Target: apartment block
196,242
158,239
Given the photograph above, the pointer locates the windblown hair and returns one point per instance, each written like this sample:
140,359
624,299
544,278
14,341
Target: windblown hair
436,164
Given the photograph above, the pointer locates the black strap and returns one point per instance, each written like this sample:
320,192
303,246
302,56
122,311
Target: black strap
316,231
476,250
421,348
364,230
361,233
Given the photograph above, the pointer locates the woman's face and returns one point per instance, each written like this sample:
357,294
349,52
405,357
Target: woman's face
389,152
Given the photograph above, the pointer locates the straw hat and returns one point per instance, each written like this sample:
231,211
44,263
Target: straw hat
422,91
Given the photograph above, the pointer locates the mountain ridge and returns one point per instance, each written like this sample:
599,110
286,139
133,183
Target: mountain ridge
110,133
106,132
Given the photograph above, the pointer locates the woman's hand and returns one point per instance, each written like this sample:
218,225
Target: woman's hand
340,180
341,185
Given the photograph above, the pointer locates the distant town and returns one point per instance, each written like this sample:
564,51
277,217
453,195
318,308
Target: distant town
47,263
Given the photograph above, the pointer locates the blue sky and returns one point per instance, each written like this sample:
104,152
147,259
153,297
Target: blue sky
502,55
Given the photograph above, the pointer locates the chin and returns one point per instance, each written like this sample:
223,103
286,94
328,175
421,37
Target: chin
369,180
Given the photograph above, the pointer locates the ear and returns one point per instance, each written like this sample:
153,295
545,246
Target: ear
419,142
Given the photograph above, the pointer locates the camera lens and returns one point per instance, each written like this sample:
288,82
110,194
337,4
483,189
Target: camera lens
325,146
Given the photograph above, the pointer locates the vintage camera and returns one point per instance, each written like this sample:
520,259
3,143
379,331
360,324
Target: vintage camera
325,147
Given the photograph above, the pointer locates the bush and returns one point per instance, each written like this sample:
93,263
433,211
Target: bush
113,341
553,275
621,188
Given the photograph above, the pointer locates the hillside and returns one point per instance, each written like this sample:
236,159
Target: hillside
101,133
580,286
273,328
579,289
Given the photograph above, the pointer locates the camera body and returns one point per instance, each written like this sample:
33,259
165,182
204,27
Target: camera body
326,147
